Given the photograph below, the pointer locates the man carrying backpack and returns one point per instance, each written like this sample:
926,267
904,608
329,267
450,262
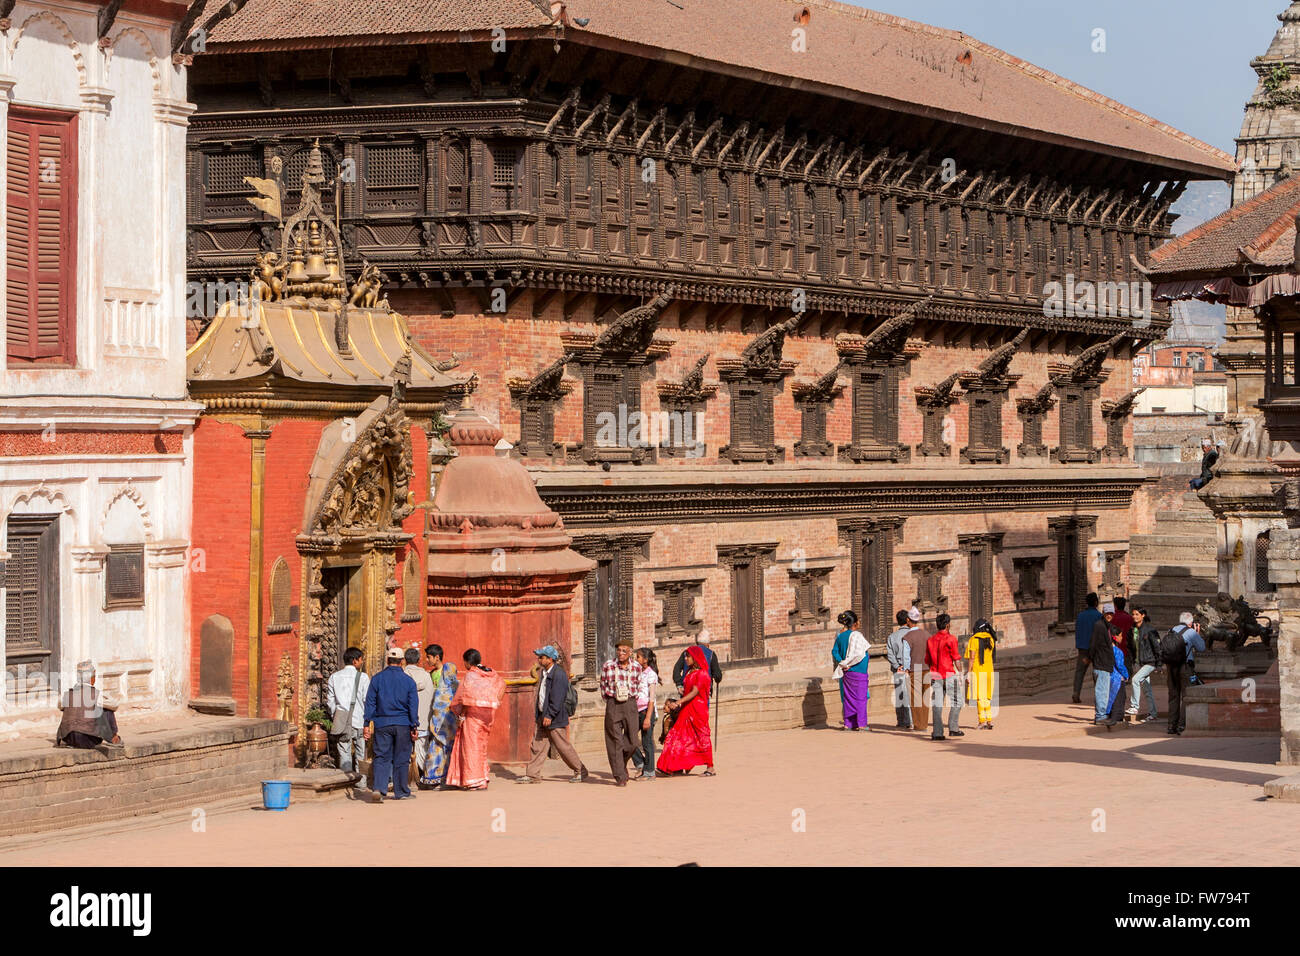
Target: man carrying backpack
1177,650
553,713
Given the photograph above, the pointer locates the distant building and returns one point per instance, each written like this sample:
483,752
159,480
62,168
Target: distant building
1183,392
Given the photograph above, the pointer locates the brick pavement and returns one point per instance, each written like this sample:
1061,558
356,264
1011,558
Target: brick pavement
1026,792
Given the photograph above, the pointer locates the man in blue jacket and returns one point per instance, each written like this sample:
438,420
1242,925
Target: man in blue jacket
393,704
1083,627
552,719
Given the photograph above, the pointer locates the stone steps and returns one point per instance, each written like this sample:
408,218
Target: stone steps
1169,523
1182,572
1162,542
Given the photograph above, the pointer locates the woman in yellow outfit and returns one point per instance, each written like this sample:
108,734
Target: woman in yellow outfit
980,653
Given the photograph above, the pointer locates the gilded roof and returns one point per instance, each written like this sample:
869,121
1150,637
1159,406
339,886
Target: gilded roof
296,341
851,52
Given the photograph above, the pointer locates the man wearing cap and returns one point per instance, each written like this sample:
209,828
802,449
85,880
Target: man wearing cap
88,720
619,679
552,719
715,669
916,640
393,706
899,654
1209,458
1101,655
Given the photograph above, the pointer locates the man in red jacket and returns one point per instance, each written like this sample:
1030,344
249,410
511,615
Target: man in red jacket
941,657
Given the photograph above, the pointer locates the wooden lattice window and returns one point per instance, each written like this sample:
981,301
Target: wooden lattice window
875,416
411,590
1076,425
281,598
810,609
224,189
504,178
394,176
980,549
985,427
124,576
41,241
455,176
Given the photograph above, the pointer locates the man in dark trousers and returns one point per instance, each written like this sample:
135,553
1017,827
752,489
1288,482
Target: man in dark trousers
393,705
1083,626
1179,669
1209,458
619,679
552,719
715,669
1101,655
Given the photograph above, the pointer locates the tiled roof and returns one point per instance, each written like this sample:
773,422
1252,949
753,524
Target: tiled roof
1260,230
851,52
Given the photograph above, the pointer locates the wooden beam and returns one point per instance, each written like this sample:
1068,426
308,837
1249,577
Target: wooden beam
541,299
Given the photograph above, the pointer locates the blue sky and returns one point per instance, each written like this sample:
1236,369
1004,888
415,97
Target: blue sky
1185,62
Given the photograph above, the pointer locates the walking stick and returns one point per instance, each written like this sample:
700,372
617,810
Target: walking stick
717,706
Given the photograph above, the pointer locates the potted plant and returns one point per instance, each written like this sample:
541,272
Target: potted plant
318,734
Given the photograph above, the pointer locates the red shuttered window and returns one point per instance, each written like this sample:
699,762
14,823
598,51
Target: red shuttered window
41,246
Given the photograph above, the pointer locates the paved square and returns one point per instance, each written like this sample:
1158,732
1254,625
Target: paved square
1028,792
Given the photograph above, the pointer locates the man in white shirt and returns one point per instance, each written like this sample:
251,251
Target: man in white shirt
423,687
345,695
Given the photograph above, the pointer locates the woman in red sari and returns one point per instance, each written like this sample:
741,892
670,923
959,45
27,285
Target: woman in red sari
476,702
690,743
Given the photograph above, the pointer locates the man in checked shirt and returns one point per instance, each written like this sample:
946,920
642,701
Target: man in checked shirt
618,683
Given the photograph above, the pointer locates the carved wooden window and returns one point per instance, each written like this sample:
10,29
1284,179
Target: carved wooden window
124,576
224,189
1262,584
985,427
611,413
875,416
1076,425
31,597
980,549
536,428
871,549
810,609
1115,446
932,432
1112,578
1071,535
1029,581
1032,445
607,596
281,598
41,242
394,175
753,430
812,441
679,623
504,190
412,592
455,176
747,563
930,599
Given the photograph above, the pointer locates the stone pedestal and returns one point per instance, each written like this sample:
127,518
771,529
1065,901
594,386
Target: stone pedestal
501,575
1284,571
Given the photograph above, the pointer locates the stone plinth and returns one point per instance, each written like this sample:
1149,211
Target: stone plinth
1217,665
1284,571
501,575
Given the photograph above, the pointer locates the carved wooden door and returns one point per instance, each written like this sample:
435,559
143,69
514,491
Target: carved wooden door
602,605
1067,574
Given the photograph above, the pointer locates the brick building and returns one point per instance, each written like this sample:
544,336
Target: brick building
853,308
94,421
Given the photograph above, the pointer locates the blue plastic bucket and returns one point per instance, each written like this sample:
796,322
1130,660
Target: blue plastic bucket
275,794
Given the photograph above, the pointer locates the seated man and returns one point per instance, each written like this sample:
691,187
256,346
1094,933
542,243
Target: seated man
88,720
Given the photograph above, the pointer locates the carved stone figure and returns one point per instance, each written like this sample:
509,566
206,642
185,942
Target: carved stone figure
1234,622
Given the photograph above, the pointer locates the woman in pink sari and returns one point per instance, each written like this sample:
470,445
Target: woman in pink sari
476,702
690,742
